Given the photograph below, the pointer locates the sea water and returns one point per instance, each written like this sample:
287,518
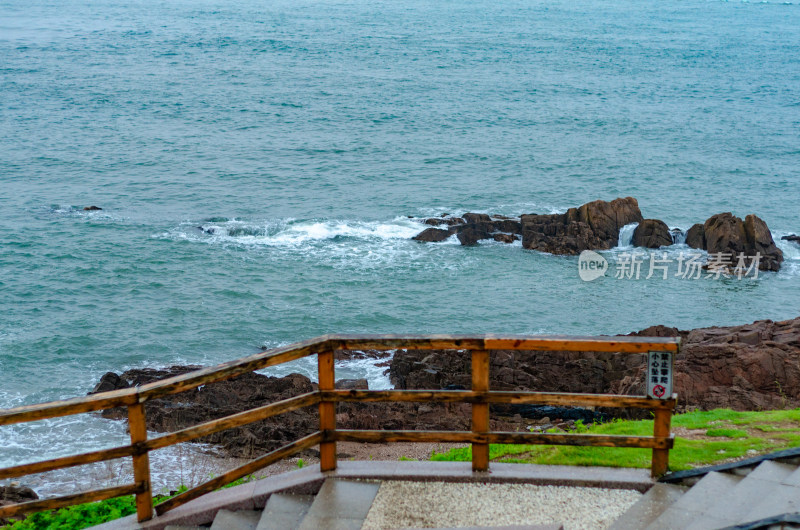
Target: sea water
307,139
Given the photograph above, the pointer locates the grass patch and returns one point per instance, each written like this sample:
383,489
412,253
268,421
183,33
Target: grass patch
726,433
734,435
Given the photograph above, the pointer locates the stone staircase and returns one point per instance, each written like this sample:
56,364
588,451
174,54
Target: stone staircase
339,505
761,493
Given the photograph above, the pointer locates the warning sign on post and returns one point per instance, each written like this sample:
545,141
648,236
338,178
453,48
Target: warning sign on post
659,375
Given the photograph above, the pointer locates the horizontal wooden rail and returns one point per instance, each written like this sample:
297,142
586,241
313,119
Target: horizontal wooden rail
68,500
514,398
497,342
234,420
68,461
241,471
55,409
525,438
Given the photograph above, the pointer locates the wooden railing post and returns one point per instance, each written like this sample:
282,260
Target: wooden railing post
141,463
327,411
480,411
661,429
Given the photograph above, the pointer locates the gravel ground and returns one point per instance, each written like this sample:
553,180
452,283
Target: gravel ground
441,504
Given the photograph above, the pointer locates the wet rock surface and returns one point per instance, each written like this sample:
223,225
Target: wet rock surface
652,233
729,236
15,494
596,226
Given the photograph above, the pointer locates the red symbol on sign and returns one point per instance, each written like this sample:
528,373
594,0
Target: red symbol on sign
659,391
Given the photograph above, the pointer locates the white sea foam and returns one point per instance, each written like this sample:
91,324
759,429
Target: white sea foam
626,236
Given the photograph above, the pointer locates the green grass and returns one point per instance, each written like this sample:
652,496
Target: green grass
704,438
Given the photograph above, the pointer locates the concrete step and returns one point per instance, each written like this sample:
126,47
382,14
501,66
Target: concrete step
182,527
649,507
783,498
284,511
732,508
239,520
794,478
340,505
693,504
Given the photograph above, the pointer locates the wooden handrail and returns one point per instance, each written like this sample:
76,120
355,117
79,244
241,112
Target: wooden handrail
525,438
514,398
326,398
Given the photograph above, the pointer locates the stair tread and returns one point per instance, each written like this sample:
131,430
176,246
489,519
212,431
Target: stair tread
238,520
340,505
784,498
732,508
284,511
684,511
649,507
794,478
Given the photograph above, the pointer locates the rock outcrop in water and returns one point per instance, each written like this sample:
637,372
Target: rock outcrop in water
596,226
593,226
727,235
652,233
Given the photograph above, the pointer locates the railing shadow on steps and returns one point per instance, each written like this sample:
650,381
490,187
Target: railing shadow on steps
326,398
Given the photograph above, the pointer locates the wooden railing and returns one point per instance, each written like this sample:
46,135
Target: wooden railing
326,398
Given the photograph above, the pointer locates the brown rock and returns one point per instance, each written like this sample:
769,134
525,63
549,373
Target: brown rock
505,238
606,218
593,226
432,235
110,381
759,241
476,218
792,237
352,384
652,233
92,209
727,235
472,233
695,237
15,494
449,221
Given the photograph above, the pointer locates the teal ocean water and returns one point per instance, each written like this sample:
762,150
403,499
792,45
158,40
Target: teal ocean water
306,133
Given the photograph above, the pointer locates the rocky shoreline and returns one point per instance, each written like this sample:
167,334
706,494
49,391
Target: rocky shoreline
596,226
749,367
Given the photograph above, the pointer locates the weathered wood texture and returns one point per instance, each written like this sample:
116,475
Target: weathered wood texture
67,461
241,471
141,463
498,342
524,438
234,420
661,428
480,411
466,396
327,411
67,500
